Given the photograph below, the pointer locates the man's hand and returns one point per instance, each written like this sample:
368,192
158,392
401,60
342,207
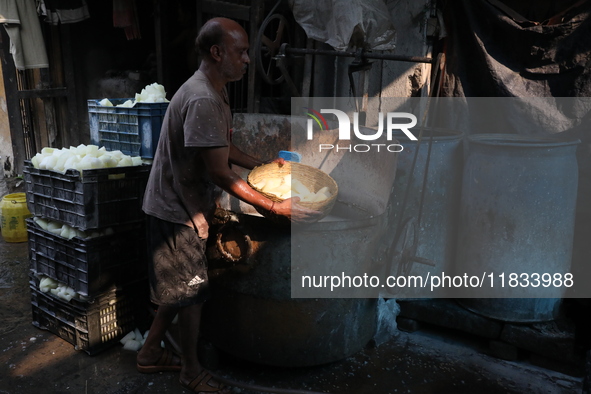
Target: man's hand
294,211
279,160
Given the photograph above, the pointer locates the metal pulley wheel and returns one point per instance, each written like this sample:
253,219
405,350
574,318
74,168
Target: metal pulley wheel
272,34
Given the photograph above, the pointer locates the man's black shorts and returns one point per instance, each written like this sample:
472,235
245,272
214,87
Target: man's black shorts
177,266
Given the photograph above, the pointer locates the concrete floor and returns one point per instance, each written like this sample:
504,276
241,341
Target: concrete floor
35,360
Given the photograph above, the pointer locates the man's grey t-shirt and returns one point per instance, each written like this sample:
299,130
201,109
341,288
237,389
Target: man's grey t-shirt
179,189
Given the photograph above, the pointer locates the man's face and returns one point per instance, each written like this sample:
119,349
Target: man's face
234,55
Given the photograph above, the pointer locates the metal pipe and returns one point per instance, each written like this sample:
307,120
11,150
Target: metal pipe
384,56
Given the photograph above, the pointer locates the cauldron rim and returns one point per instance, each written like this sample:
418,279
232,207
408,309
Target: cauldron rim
518,140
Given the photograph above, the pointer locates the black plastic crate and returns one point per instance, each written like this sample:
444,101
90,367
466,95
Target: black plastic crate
134,131
89,200
90,326
90,265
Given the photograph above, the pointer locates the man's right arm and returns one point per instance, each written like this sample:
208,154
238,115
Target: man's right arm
216,162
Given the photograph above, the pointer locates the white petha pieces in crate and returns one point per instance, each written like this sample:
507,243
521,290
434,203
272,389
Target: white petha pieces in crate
89,265
134,131
89,199
103,269
91,326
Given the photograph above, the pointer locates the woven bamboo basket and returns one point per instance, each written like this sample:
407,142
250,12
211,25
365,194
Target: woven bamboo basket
313,178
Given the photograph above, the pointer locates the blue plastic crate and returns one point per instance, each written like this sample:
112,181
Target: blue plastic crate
134,131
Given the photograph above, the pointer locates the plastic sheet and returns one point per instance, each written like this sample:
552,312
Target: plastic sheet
346,24
388,311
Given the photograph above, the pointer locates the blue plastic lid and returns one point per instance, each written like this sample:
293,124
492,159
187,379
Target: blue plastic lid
290,156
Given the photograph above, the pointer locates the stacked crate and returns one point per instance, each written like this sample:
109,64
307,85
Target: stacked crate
134,131
107,270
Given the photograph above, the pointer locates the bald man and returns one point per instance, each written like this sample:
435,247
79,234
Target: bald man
189,172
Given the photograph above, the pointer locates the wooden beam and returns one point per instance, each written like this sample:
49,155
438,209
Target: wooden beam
253,100
72,136
47,108
56,60
158,36
199,14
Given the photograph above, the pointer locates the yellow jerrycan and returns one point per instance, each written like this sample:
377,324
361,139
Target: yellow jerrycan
14,212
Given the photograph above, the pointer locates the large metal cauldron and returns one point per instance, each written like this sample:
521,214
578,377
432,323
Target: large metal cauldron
251,313
517,216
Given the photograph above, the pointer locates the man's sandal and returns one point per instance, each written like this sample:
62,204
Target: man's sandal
164,364
201,384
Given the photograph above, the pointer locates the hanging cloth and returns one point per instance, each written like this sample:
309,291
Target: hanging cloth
24,30
125,16
496,52
65,11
